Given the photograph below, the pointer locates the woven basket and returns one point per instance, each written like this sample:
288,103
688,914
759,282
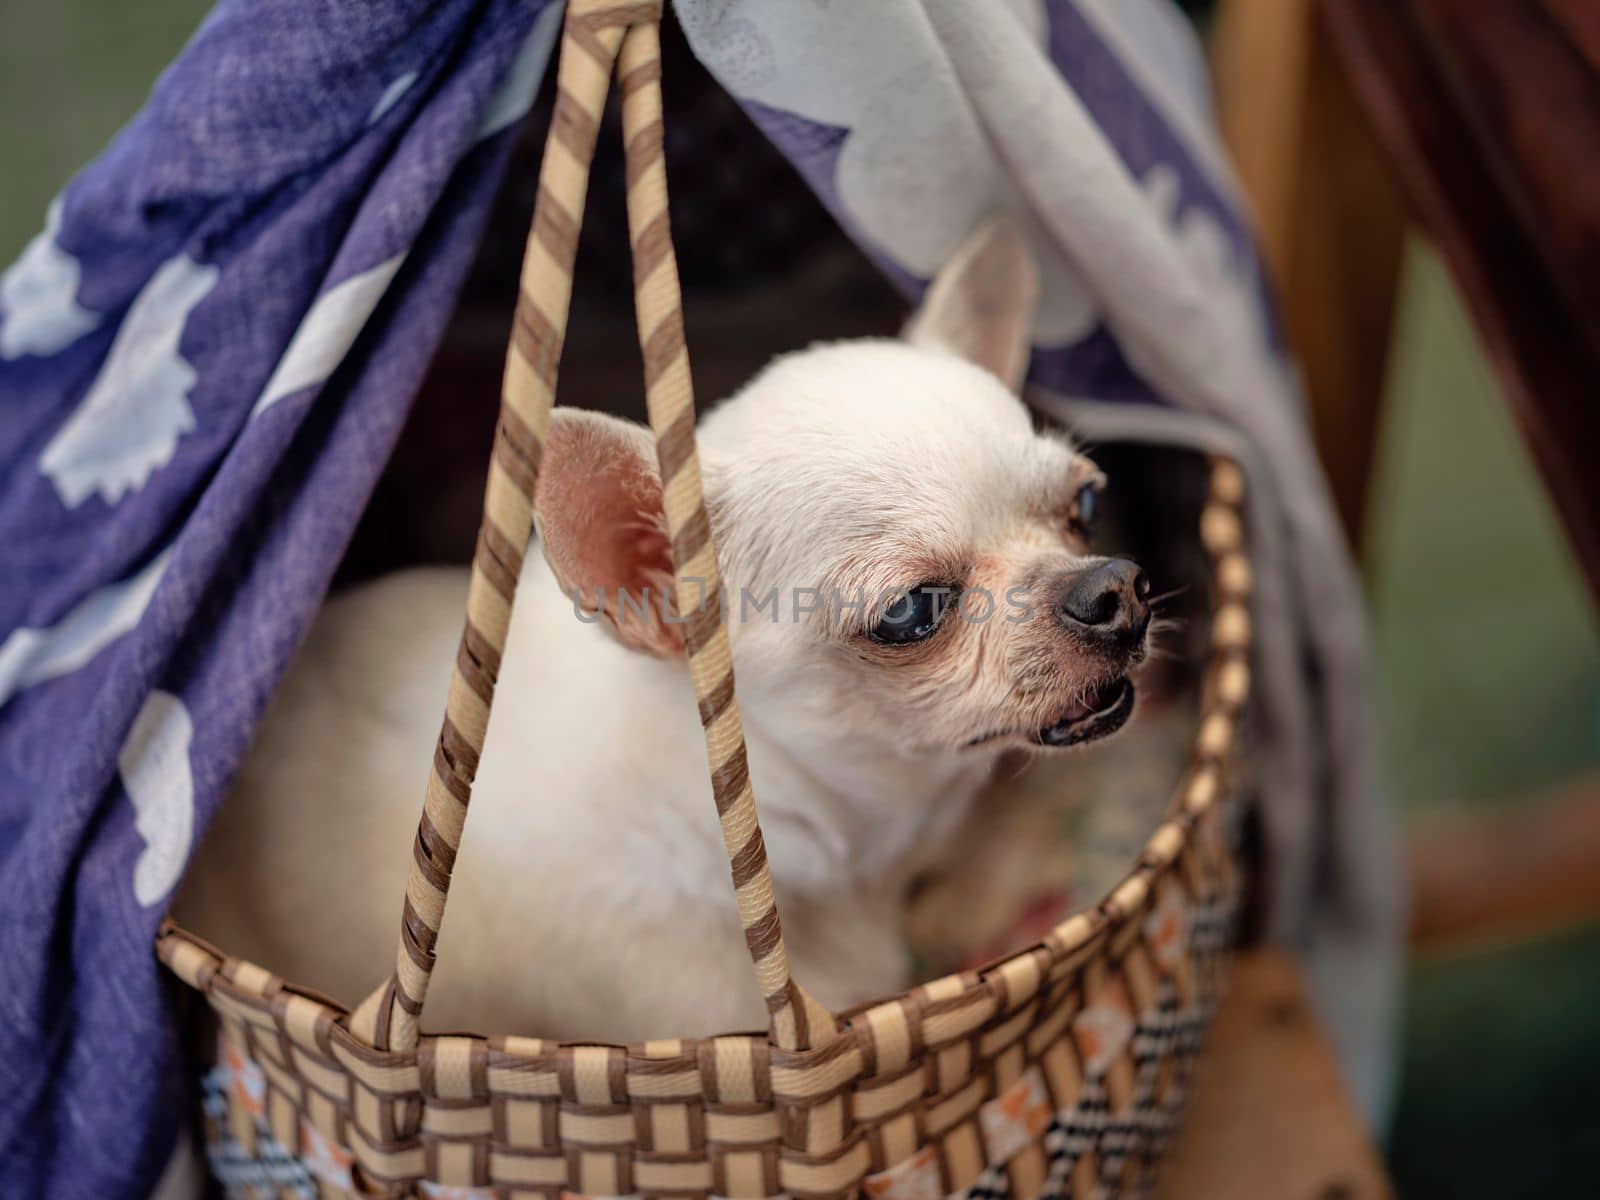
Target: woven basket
1057,1071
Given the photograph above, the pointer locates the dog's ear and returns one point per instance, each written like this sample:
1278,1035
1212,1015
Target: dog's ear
602,527
982,302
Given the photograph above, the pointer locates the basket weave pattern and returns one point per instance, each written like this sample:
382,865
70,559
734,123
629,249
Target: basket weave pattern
734,1116
1057,1071
1054,1072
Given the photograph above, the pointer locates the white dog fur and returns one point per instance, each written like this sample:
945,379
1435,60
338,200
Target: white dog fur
591,896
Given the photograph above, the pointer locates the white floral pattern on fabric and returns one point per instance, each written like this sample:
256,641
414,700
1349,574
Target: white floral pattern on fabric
327,332
154,763
1229,280
916,1178
1157,44
391,96
39,309
1103,1029
1015,1119
128,423
31,655
521,83
871,69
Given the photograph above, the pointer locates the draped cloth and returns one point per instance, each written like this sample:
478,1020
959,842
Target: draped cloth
209,351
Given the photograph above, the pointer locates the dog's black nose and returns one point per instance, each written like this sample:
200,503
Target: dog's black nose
1108,604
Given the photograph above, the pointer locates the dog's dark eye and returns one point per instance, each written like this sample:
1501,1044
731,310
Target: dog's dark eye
1085,508
912,616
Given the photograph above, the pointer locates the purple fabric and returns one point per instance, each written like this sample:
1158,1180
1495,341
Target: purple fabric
295,147
812,148
1095,365
257,158
1144,139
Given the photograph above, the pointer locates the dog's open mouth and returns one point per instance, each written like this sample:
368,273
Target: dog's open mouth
1102,712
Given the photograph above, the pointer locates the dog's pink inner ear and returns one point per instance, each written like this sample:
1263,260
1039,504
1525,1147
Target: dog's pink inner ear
603,530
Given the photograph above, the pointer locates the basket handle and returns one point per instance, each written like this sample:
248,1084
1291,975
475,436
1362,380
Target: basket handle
598,35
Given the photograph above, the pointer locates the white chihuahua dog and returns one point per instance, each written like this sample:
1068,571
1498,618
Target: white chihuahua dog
910,594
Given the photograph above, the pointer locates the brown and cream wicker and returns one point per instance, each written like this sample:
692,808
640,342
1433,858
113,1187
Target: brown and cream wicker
1056,1071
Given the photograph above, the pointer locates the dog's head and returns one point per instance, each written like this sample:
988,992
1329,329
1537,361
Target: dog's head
907,561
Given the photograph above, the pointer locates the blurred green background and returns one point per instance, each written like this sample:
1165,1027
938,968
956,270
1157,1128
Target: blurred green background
1486,656
1487,671
1485,650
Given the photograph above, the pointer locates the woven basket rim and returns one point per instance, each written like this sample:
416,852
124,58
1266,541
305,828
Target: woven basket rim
1070,941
